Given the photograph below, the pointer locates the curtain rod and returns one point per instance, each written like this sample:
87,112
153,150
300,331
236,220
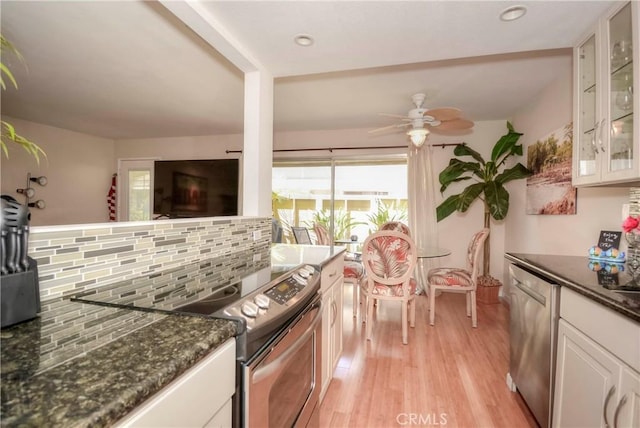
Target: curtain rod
331,149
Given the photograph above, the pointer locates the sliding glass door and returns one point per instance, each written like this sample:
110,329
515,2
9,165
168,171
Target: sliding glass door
349,197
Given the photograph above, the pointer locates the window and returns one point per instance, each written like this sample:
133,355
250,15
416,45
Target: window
135,179
350,197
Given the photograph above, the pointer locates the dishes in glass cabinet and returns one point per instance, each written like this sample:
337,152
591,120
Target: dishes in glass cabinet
621,53
624,99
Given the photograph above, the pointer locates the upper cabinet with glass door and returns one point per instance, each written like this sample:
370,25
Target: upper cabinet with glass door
606,145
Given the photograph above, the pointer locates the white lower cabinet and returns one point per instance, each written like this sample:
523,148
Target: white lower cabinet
596,386
201,397
332,280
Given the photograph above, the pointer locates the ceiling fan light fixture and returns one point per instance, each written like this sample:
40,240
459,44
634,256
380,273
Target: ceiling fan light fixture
303,40
418,136
513,12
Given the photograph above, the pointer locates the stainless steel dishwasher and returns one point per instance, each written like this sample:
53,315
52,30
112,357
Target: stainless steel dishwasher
534,313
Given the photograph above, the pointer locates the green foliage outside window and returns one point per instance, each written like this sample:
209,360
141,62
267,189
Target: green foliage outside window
343,223
386,212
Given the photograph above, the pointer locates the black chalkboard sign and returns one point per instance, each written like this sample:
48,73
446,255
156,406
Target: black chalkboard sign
609,239
606,278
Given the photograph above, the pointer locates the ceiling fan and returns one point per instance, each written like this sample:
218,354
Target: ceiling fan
424,121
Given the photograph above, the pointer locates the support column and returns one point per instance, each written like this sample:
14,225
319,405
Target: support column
257,153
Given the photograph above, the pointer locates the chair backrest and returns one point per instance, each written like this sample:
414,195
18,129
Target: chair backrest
301,234
473,252
322,236
398,226
276,231
389,257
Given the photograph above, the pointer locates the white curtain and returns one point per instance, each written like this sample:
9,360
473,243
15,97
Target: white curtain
422,206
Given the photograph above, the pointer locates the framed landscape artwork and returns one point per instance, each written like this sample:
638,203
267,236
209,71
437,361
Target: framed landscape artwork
549,189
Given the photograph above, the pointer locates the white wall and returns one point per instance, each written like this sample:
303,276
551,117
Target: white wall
180,148
78,166
597,208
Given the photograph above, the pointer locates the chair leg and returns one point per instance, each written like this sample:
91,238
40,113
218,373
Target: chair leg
356,302
432,305
468,295
369,316
364,301
412,312
474,312
405,328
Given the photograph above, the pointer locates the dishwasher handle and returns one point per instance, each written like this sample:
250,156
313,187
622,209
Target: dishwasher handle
529,292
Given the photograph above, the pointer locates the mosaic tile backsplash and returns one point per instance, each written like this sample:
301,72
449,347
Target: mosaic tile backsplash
76,258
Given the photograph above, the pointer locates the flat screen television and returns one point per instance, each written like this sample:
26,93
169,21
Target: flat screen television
195,188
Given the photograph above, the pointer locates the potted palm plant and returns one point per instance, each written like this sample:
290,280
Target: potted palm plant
489,179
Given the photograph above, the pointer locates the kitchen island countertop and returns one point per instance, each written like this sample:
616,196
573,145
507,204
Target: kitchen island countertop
79,365
604,283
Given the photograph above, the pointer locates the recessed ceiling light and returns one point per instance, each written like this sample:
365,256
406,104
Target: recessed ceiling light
512,13
303,40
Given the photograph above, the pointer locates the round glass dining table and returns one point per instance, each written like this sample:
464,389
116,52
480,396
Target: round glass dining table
425,254
432,252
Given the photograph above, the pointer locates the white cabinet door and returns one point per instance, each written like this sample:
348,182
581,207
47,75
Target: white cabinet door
606,146
586,377
332,281
338,298
627,413
327,366
200,397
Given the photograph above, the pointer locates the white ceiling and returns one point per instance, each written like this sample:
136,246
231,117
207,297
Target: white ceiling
133,70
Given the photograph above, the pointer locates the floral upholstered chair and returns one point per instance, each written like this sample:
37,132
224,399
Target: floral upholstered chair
353,270
389,259
459,280
398,226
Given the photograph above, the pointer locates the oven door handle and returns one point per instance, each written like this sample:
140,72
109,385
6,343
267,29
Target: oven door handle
276,364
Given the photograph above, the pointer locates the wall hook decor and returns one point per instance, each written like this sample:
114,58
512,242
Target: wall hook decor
29,192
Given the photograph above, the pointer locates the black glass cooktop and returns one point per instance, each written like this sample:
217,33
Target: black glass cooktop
201,287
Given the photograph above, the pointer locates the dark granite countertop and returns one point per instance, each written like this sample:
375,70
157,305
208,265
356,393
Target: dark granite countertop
608,284
80,365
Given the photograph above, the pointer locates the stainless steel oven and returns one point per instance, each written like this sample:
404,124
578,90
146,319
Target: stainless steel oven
277,310
278,348
282,382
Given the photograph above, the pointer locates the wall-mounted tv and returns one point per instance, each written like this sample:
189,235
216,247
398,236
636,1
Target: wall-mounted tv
195,188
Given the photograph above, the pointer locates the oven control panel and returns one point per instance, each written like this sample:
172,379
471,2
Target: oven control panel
276,298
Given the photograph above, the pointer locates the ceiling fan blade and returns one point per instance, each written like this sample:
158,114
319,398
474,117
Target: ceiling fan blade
444,114
450,126
395,116
384,128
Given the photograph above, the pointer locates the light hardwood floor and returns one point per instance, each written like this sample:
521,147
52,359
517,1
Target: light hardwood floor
448,375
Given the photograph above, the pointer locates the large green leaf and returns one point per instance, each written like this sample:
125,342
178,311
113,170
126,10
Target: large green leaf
464,150
497,198
459,202
505,146
514,173
455,169
444,186
469,195
447,207
490,171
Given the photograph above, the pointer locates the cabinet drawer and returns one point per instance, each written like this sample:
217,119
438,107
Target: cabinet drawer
331,271
193,399
616,333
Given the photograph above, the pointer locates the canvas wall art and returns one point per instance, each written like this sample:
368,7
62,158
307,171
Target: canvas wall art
549,189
